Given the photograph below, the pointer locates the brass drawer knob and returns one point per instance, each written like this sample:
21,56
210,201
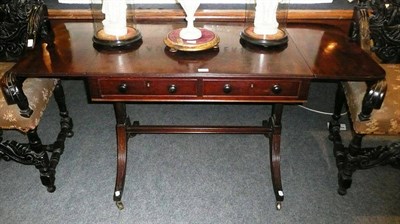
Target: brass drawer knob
276,89
227,88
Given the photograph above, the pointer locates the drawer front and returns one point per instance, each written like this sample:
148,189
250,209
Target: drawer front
255,88
147,87
197,90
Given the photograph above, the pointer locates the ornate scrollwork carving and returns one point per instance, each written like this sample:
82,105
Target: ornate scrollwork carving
359,25
384,26
20,24
44,157
367,158
21,153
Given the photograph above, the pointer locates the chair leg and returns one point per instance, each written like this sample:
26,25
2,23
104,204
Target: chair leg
339,150
66,121
334,126
351,163
57,148
42,162
60,99
346,157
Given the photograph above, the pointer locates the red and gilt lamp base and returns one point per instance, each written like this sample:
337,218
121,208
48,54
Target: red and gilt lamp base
207,41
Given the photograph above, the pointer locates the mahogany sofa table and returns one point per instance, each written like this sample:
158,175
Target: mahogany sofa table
233,73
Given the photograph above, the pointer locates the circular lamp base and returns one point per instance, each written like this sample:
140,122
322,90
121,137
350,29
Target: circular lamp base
277,39
207,41
105,41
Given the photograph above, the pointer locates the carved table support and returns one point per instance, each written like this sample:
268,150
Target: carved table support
125,130
275,158
122,142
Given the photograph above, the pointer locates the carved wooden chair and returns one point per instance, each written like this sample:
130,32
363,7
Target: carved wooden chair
374,108
23,100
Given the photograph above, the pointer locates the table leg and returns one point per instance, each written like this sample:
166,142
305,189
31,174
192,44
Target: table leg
275,157
122,141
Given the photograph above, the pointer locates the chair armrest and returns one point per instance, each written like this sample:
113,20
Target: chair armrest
30,97
14,94
373,99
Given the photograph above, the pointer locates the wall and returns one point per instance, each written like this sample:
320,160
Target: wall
338,13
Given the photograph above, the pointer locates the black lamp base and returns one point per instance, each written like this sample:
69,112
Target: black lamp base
280,38
102,41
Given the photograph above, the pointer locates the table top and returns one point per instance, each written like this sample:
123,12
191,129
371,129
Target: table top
313,52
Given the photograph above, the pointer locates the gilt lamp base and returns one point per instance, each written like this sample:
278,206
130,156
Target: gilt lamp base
207,41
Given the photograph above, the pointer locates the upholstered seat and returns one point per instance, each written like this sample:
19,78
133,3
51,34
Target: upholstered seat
38,93
386,120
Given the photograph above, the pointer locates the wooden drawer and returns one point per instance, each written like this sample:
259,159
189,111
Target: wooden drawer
156,86
232,87
156,89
